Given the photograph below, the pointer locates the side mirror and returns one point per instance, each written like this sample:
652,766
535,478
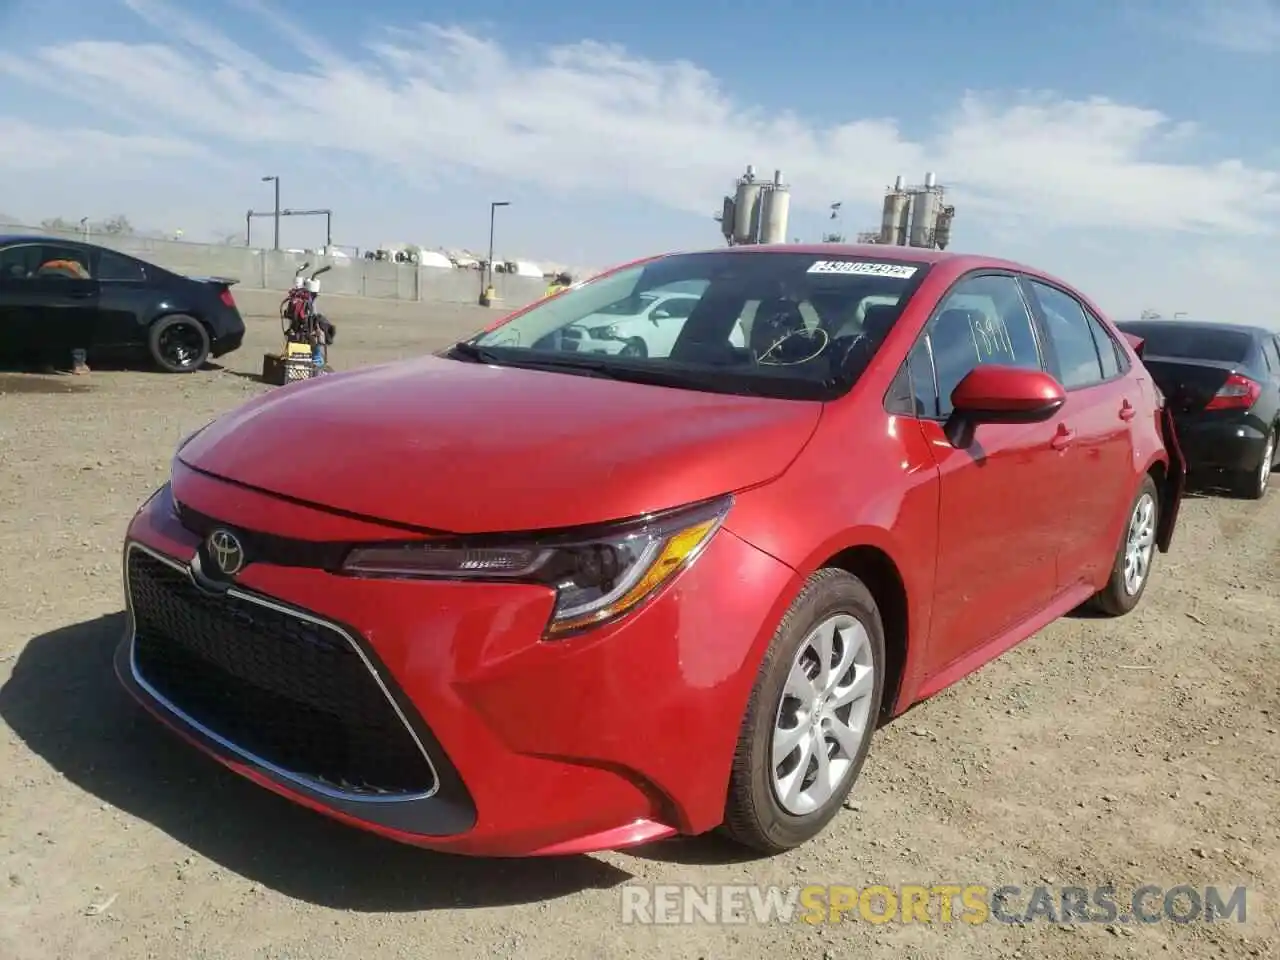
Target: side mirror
991,393
660,314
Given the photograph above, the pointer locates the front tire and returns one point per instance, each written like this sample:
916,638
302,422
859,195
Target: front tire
1131,570
810,718
635,347
178,343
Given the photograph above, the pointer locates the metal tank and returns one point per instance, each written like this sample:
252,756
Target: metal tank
746,204
924,213
775,208
893,221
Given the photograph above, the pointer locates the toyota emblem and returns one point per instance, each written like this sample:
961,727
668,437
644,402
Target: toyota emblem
226,552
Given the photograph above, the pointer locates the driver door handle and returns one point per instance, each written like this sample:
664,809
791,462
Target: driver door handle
1062,439
80,294
1127,411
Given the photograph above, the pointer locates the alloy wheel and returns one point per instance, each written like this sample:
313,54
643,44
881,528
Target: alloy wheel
824,716
181,345
1139,544
1268,456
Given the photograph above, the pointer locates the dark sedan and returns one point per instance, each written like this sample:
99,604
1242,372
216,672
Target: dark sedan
57,296
1222,382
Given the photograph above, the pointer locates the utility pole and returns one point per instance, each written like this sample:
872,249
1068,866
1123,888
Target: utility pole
486,288
276,181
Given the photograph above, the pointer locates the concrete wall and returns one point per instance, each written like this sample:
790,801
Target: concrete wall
269,270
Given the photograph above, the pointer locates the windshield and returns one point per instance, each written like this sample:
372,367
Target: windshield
1191,343
629,306
768,324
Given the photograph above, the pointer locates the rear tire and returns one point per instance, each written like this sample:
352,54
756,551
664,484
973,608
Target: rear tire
772,812
1253,485
1131,569
178,343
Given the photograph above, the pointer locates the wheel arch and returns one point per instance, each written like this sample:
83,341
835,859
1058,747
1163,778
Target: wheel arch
875,568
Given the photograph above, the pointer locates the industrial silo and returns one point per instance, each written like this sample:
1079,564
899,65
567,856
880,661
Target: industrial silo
897,210
775,207
746,208
924,212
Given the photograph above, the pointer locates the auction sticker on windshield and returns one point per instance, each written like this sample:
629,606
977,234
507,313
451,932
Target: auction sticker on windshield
859,269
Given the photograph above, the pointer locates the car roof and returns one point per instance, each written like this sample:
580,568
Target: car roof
1209,326
35,238
885,253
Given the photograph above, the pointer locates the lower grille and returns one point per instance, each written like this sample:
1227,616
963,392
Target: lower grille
279,687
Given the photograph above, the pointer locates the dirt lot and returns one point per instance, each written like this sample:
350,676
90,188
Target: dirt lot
1129,752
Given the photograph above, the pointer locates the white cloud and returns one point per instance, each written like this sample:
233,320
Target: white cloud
27,147
587,120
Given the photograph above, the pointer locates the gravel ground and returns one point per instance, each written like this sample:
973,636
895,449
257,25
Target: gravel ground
1130,752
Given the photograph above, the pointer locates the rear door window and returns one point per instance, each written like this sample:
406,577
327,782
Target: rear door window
1079,363
1108,350
115,266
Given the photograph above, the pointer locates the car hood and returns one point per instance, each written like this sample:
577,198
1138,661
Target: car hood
451,446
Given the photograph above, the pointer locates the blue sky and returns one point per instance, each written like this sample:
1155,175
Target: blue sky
1130,146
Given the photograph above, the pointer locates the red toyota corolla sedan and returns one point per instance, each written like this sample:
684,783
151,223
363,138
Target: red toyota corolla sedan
537,595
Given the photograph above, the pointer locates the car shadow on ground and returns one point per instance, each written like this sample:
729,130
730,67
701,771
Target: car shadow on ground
99,366
708,850
65,703
48,383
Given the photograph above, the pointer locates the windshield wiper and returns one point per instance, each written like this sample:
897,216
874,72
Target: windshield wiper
603,369
591,368
465,350
681,379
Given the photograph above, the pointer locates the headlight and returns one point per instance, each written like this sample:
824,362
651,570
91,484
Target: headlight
605,333
597,577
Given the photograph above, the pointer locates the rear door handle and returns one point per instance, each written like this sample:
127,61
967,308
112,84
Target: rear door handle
80,294
1127,411
1062,439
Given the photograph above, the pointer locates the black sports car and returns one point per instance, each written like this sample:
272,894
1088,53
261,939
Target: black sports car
57,296
1222,382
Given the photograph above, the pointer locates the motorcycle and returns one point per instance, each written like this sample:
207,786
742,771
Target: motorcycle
307,332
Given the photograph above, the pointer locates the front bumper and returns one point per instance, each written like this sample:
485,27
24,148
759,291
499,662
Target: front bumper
605,740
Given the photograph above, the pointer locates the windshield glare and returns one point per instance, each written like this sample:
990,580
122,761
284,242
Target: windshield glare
775,324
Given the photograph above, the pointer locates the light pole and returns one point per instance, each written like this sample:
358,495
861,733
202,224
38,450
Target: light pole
276,180
486,288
